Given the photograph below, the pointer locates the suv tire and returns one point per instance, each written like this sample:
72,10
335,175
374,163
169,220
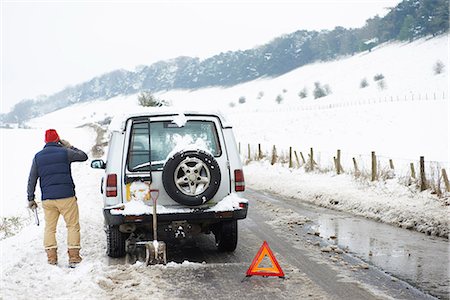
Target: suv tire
227,236
115,242
191,177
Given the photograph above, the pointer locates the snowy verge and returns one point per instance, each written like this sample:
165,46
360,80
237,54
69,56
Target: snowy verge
385,201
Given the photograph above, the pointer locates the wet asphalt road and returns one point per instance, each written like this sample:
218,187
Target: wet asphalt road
297,244
421,260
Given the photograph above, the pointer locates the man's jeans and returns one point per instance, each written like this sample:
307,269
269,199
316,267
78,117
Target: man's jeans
68,208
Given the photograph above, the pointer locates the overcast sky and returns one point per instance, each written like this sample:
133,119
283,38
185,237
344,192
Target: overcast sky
48,45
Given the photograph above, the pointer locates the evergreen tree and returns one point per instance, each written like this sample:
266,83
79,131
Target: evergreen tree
407,30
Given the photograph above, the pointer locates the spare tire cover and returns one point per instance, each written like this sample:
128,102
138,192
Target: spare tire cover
191,177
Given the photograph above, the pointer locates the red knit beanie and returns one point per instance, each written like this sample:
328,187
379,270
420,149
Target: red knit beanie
51,136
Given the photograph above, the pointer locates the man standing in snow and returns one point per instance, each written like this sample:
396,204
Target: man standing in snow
52,166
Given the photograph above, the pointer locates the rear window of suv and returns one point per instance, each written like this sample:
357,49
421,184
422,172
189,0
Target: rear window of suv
167,137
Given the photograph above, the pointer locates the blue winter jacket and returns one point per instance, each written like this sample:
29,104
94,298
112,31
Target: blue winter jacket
52,166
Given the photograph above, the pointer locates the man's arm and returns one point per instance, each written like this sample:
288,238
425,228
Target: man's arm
75,154
32,180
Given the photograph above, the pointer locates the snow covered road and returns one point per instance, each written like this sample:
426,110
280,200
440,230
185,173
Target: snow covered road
196,270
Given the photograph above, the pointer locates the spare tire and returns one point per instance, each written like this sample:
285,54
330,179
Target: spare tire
191,177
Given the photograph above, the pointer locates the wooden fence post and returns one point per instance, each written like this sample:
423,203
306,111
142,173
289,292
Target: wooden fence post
249,154
290,157
413,172
297,160
356,167
239,147
374,166
303,158
447,184
340,170
260,155
274,155
311,157
391,164
423,180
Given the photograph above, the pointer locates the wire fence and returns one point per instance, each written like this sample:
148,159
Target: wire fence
425,174
323,104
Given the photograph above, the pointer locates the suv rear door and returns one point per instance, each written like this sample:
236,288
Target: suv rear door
167,138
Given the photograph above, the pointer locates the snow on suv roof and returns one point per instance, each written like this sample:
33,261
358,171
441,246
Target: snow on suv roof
118,121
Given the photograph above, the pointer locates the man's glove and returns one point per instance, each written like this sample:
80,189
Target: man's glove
65,143
32,205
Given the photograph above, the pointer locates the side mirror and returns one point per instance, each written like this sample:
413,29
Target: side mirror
98,164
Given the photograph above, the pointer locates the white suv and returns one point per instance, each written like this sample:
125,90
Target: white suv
196,167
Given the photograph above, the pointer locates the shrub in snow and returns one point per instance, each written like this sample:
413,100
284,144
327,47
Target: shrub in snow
438,67
378,77
105,121
147,99
435,183
363,83
242,100
9,226
381,84
260,95
232,104
321,91
284,91
303,93
279,99
383,173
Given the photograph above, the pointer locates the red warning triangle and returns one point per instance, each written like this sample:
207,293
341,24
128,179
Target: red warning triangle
255,269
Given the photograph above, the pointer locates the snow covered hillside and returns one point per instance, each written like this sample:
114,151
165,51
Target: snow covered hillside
407,69
406,119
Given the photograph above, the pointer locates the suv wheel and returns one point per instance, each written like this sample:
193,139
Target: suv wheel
115,242
191,177
227,236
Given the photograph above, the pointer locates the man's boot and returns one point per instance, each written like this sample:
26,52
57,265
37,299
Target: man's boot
52,256
74,256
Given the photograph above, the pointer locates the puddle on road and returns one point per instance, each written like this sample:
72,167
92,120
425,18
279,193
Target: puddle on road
414,257
421,260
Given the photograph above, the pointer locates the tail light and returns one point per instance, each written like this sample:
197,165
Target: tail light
243,205
111,185
239,182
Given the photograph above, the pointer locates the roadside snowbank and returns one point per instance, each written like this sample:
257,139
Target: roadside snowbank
385,201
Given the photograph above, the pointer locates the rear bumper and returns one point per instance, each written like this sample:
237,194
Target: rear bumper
196,216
